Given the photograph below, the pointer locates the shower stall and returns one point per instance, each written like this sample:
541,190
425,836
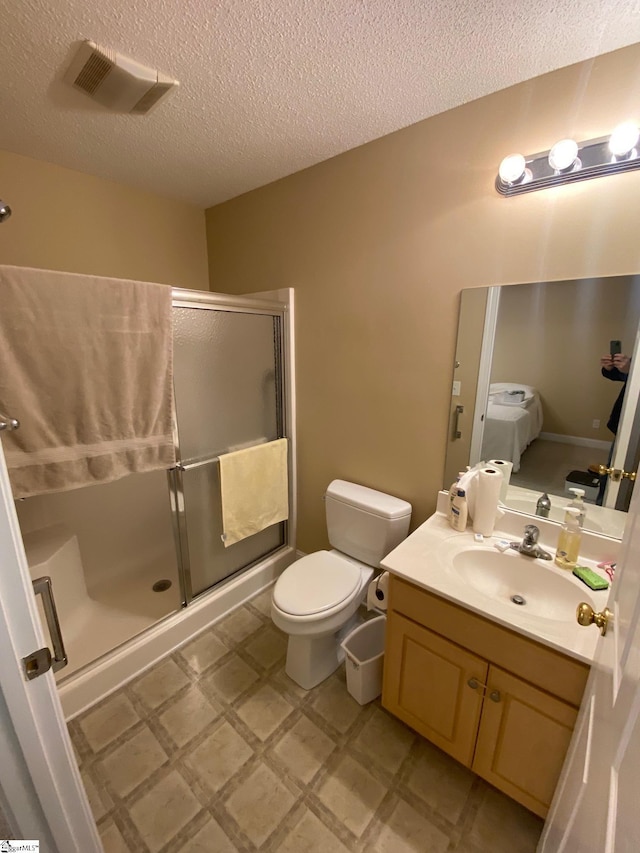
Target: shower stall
138,565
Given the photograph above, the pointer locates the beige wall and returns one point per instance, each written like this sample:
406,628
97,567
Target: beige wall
379,241
66,220
552,336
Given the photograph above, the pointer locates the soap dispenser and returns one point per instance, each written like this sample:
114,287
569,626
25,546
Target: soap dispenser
578,503
569,540
459,512
453,491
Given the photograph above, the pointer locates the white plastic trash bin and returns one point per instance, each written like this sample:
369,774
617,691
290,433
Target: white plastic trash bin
364,652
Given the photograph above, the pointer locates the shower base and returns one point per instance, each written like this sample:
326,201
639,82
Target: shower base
91,683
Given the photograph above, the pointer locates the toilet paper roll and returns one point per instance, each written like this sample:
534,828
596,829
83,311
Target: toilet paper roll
489,482
378,592
505,467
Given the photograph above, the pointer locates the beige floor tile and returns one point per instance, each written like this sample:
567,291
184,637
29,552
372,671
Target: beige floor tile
440,782
109,721
385,741
260,803
268,647
210,839
262,601
99,799
112,840
264,711
189,716
164,810
406,831
230,680
132,762
160,683
78,756
219,757
281,681
352,794
203,652
239,625
304,749
310,835
335,705
503,826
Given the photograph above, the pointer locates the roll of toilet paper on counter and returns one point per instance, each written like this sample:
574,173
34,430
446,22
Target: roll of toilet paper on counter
505,467
488,484
378,592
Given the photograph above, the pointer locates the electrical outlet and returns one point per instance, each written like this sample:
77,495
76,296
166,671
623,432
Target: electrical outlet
595,423
456,389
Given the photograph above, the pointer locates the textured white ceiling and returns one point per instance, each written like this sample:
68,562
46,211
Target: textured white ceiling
269,87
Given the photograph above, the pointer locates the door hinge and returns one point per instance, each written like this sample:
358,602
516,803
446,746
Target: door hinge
37,663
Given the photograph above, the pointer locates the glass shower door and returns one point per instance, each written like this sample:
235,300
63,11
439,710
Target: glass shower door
228,395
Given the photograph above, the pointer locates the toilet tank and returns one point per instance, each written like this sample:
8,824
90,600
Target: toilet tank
363,523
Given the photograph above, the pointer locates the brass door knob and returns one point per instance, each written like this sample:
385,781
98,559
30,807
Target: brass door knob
586,615
617,474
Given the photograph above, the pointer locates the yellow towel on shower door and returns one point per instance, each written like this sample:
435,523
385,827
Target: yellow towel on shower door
254,487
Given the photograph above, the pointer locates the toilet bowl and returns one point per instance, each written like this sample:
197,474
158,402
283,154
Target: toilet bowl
316,599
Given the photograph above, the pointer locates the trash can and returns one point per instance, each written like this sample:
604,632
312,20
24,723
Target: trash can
584,480
364,652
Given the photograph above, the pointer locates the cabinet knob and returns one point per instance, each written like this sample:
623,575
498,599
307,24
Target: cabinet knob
586,615
495,696
474,683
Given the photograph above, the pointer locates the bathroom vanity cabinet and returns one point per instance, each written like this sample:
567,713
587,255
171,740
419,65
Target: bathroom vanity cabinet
496,701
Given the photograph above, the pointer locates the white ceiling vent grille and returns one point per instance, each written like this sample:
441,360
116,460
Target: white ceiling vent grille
116,81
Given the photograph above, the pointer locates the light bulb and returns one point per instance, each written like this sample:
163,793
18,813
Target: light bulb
512,169
624,139
563,155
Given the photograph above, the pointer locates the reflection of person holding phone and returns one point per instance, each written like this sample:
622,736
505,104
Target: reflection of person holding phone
615,366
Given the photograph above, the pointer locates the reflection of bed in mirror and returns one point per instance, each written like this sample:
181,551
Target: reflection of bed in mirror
512,421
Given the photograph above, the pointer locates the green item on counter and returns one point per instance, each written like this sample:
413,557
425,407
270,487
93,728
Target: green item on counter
590,578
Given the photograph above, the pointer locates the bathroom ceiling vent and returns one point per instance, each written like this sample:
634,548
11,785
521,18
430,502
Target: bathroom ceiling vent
116,81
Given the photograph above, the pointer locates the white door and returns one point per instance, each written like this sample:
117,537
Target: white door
484,374
38,741
624,451
595,808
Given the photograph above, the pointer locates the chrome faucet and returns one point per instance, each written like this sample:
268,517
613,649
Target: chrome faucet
529,545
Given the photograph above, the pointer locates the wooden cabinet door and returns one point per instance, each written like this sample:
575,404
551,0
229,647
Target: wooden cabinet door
426,685
524,735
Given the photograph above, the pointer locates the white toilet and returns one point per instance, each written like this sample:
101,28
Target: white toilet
315,600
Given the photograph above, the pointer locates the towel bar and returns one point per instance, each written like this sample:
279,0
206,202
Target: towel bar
200,463
181,466
8,423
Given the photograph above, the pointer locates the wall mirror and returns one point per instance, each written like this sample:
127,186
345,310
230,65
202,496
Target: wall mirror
528,388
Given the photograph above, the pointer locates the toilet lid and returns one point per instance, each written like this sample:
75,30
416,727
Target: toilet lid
315,583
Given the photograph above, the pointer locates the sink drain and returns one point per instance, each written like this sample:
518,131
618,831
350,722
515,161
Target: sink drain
161,586
518,599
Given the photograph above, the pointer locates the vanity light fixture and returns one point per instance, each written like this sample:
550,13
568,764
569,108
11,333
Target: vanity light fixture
570,161
563,157
513,170
623,141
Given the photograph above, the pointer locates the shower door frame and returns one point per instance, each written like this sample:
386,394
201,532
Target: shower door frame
204,301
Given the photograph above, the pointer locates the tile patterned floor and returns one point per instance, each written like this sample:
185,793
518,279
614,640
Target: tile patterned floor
215,750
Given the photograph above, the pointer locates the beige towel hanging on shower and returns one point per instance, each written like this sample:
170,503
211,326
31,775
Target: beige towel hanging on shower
86,366
254,487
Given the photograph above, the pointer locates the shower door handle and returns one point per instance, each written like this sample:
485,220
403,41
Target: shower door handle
41,661
8,423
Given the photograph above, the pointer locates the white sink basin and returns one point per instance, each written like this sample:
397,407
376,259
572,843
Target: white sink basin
531,586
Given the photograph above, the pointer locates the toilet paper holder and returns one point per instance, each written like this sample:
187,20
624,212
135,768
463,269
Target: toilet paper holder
377,593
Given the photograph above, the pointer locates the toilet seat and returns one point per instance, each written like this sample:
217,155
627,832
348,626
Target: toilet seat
315,584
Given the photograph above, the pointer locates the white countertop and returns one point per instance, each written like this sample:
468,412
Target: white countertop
425,559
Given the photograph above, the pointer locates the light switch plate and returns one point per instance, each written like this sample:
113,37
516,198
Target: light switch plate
456,389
